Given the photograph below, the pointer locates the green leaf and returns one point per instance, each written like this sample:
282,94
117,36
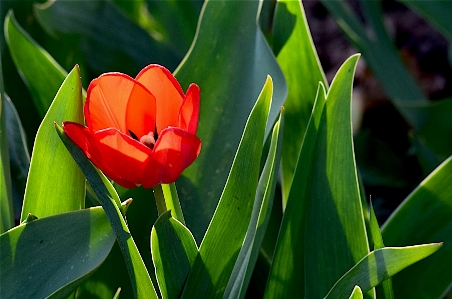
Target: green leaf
377,240
107,196
55,184
224,237
40,72
246,260
378,266
300,64
44,255
424,217
173,251
18,152
230,66
89,25
6,196
357,293
322,234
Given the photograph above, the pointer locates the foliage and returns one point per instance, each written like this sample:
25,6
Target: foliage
274,206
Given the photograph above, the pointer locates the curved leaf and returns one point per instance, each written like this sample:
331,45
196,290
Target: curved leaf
357,293
44,255
55,184
230,66
40,72
378,266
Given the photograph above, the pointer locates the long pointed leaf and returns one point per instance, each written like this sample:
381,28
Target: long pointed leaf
40,72
241,274
107,196
55,184
322,234
223,240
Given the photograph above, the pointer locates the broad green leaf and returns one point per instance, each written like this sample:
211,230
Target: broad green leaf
424,217
6,196
297,57
246,260
377,240
378,266
90,25
224,237
230,66
322,234
436,13
42,256
173,251
40,72
357,293
55,184
107,196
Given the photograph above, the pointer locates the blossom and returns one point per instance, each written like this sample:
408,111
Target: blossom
139,131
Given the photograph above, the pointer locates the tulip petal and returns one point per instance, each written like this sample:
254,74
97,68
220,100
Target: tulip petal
123,155
107,100
83,138
167,91
189,110
174,151
140,113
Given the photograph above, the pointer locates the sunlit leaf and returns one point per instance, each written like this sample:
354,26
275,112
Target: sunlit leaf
378,266
55,184
297,57
44,255
224,237
246,260
230,66
357,293
322,234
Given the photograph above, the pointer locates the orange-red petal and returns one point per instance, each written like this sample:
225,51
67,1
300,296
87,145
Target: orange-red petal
107,100
174,151
83,138
124,156
167,92
189,110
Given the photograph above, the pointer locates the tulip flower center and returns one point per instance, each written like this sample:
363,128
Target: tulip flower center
149,139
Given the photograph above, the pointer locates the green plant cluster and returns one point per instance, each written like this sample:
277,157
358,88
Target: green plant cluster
273,207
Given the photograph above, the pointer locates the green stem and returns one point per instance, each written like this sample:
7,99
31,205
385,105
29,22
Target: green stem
160,199
172,201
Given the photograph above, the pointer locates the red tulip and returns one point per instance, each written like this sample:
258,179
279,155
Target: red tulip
139,131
